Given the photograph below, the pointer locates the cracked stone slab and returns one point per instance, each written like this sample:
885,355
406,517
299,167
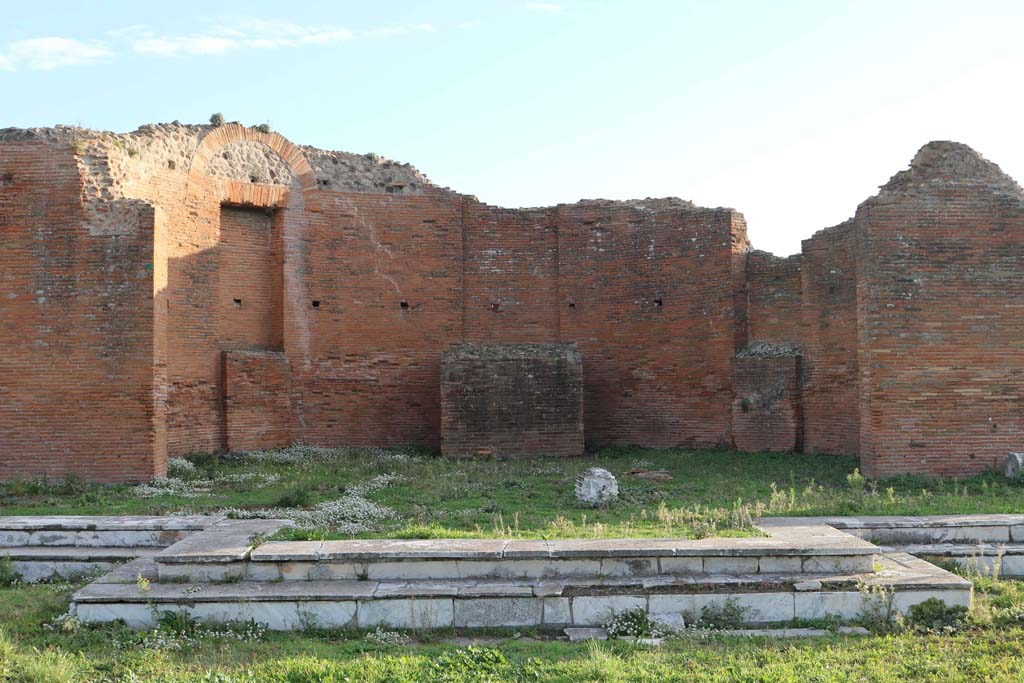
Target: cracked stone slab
226,541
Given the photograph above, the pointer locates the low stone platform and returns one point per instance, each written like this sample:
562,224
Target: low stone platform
462,603
222,569
987,544
207,556
45,548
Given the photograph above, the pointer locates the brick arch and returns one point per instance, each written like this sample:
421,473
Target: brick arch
222,136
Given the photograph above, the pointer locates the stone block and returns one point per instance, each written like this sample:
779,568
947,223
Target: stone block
9,537
137,616
596,610
776,564
407,613
53,538
202,572
839,564
903,600
412,570
262,571
682,565
818,605
557,611
498,612
758,607
624,567
730,565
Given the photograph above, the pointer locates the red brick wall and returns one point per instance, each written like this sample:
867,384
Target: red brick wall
766,412
940,298
774,298
658,374
257,400
248,297
511,274
76,326
366,368
512,400
830,371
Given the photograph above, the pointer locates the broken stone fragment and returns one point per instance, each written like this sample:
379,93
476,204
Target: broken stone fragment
597,486
1012,465
578,634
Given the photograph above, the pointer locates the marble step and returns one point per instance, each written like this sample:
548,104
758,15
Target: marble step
100,530
464,603
1004,559
48,563
922,529
224,552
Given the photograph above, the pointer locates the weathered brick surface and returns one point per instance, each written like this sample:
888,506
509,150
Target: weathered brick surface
512,400
941,335
123,257
766,413
775,298
257,400
829,363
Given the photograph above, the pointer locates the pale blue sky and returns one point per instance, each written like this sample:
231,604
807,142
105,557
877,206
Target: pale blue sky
791,112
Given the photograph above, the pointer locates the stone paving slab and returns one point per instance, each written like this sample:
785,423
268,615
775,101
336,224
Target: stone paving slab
226,541
75,554
785,541
108,522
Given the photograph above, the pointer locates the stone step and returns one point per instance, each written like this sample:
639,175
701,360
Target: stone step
223,552
912,530
100,530
463,603
47,563
1006,559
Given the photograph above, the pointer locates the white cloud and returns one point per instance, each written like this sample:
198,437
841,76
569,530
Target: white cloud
52,52
544,6
398,30
172,46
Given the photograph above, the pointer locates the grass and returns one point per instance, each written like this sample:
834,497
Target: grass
991,648
411,493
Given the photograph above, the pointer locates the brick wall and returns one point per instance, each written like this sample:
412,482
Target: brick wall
122,261
512,400
257,400
940,298
830,371
648,296
76,326
775,298
767,409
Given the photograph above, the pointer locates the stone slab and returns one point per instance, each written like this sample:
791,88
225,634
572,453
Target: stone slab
108,522
226,541
498,612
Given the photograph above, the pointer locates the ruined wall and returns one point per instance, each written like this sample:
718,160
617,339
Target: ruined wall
163,289
774,298
76,322
767,411
939,293
511,274
646,292
387,273
257,400
512,400
829,366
